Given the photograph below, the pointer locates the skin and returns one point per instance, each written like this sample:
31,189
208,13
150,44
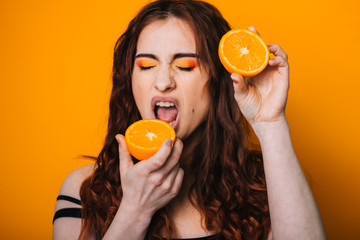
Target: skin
150,185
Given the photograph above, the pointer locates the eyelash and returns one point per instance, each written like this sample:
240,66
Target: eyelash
145,68
187,69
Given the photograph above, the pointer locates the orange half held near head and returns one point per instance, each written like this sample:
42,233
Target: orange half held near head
244,52
144,138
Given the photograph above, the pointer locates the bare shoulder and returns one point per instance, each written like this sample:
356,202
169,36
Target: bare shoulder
72,183
69,227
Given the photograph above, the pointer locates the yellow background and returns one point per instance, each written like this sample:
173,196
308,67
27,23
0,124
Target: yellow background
55,81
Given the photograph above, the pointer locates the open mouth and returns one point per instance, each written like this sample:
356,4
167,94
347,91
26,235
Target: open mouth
166,109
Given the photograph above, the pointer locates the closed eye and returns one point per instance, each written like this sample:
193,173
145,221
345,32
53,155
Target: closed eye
185,64
145,68
146,63
187,69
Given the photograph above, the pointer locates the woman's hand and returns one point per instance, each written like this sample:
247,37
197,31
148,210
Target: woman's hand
262,98
149,185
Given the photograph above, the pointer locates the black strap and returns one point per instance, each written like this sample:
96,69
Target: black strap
67,212
68,198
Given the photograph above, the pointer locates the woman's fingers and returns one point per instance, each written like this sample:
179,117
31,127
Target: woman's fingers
165,182
125,158
173,182
171,185
278,61
160,175
278,51
177,182
159,159
168,182
174,157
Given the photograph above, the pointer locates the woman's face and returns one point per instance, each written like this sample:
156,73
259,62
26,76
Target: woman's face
167,81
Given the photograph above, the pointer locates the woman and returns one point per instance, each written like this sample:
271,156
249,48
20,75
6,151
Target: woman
208,184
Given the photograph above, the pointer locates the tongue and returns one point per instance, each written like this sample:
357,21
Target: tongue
167,114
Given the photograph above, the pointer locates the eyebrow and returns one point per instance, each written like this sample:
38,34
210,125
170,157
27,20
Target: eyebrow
147,55
181,55
178,55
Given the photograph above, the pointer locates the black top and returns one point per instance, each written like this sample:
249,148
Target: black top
76,213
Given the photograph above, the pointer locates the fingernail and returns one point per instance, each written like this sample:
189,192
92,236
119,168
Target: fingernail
169,142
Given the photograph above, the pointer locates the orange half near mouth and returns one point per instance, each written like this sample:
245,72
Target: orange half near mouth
144,138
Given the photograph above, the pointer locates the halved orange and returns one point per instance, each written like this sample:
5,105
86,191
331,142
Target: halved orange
144,138
243,51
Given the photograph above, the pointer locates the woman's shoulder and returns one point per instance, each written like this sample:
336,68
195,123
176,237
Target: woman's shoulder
72,183
68,205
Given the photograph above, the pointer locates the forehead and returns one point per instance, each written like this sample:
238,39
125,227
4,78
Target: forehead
168,36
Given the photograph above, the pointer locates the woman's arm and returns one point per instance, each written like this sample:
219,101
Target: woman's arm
293,211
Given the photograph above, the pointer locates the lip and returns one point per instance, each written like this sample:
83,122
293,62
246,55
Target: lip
156,99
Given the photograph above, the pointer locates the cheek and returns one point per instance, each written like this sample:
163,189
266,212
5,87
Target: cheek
135,89
200,101
138,91
139,83
204,99
203,104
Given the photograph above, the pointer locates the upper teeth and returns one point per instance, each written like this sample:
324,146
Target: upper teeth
165,104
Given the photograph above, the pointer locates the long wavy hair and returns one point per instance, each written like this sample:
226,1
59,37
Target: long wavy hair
230,190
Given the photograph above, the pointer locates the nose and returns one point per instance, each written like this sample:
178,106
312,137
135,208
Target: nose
165,81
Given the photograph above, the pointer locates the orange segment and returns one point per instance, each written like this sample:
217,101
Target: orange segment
144,138
244,52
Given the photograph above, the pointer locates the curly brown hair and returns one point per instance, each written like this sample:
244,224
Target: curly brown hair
230,190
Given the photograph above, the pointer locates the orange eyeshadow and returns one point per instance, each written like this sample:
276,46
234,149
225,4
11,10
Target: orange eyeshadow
145,63
186,63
